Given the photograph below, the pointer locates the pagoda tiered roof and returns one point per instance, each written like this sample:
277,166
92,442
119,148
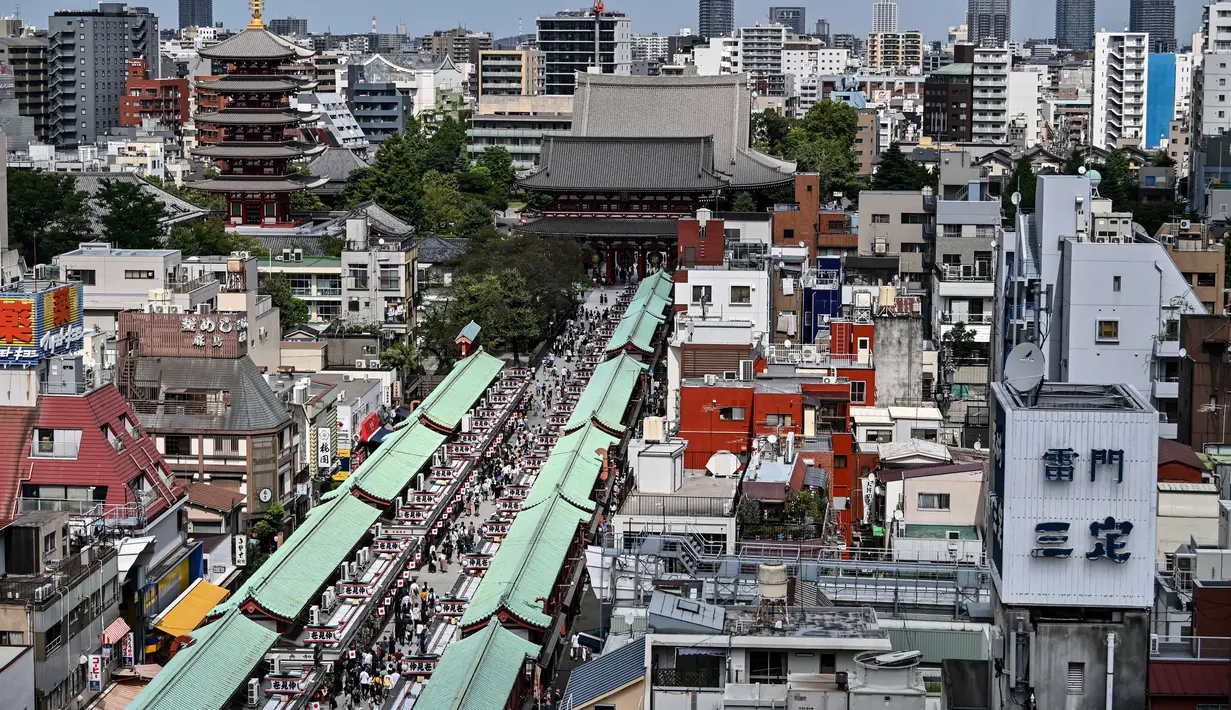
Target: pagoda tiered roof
255,44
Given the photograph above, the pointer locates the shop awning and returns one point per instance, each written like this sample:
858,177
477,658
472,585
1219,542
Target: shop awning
130,549
115,631
191,608
379,435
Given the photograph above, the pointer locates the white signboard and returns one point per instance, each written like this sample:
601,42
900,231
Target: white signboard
95,670
324,447
241,550
128,650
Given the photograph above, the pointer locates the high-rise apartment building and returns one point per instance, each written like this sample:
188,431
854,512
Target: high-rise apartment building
575,40
1121,70
289,26
989,21
793,17
1157,18
895,49
716,18
885,16
822,30
88,65
1075,24
989,115
510,72
28,58
649,47
196,13
459,44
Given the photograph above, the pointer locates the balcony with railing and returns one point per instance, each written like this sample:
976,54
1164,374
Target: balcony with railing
1214,648
694,678
61,574
813,356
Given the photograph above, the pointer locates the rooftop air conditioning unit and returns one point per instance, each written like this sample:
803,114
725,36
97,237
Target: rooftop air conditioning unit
298,254
881,248
204,308
241,254
286,255
730,375
747,370
467,418
361,364
314,616
1185,224
711,380
652,429
254,692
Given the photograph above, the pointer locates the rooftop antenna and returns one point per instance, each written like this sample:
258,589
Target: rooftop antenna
1024,370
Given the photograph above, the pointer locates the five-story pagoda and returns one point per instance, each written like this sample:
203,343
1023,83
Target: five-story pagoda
257,141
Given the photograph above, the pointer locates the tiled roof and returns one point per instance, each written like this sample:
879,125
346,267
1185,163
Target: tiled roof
635,330
250,183
239,83
571,469
203,495
242,150
683,164
454,396
437,250
336,164
291,577
1170,451
204,676
607,395
239,117
611,671
16,424
479,671
1194,679
254,406
387,472
527,565
178,210
601,227
381,220
255,44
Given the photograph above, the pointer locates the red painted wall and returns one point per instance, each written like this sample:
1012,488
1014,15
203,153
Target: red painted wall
708,250
702,426
1178,473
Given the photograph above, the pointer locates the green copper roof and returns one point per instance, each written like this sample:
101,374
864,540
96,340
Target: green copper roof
650,302
295,572
394,464
607,395
571,469
636,329
479,671
459,391
527,564
204,676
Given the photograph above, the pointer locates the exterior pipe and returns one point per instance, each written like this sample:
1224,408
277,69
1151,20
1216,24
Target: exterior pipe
1111,670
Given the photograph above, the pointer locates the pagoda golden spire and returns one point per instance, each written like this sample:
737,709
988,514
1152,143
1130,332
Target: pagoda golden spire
256,6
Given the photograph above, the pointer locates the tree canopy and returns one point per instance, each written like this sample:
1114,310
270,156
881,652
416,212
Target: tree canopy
1021,181
898,172
291,311
131,218
48,215
210,238
821,142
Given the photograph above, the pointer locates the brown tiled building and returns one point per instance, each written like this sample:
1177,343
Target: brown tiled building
161,100
1205,379
1201,258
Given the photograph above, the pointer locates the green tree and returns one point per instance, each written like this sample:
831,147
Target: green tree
960,341
769,132
291,311
333,245
1074,163
306,200
898,172
743,202
831,120
205,200
48,215
476,217
442,202
1021,181
210,238
394,179
1119,183
1161,159
400,355
499,164
266,530
807,505
831,158
131,218
1152,215
446,147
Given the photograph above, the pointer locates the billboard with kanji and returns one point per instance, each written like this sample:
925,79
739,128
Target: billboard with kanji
38,324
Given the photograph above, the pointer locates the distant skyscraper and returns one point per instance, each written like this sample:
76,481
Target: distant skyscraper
989,20
289,26
885,16
822,30
716,18
196,13
793,17
1075,24
1156,17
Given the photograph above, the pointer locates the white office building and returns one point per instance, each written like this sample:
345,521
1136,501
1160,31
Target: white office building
1120,75
1025,107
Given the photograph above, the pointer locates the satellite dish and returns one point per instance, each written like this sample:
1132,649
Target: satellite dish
786,343
1081,170
772,439
1016,198
1183,352
629,618
897,514
1025,368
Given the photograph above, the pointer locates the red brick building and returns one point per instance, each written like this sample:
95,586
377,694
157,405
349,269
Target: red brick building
161,100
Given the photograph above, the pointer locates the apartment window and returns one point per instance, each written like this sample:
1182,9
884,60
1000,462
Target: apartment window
178,446
1115,284
702,294
933,501
226,444
836,225
112,438
12,638
129,426
1108,331
139,274
777,420
56,443
767,666
732,414
85,276
741,295
1075,683
788,234
301,285
49,543
914,218
1207,279
839,461
859,392
880,219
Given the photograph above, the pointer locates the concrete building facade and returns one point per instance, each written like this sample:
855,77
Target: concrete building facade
1121,73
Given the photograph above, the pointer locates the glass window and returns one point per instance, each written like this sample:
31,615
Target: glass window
702,294
933,501
1115,284
839,461
741,294
880,219
178,446
777,420
859,391
139,274
85,276
767,666
732,414
1108,331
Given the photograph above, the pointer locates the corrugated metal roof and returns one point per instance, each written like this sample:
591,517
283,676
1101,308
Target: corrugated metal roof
479,671
254,406
1194,679
571,469
636,329
669,613
460,389
611,671
527,564
293,574
606,396
397,460
204,676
